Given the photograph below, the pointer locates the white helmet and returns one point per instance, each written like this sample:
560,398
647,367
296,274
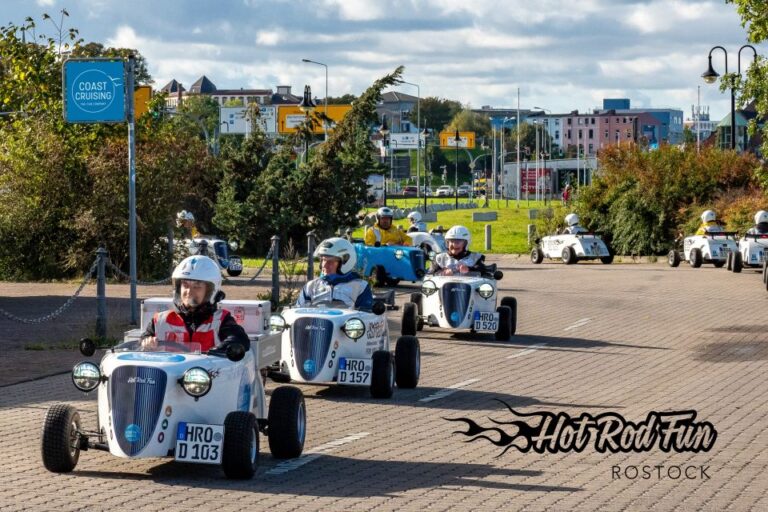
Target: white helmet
761,217
459,233
185,215
338,248
384,211
571,219
198,268
414,217
708,216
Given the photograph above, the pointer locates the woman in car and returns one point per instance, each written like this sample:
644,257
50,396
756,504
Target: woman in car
458,259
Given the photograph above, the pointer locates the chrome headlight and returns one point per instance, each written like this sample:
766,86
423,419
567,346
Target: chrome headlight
196,382
233,245
485,290
399,254
428,288
277,323
354,328
86,376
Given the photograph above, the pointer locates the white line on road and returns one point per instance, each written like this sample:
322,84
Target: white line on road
447,391
579,323
533,348
314,453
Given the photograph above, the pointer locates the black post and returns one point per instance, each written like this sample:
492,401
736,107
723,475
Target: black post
310,255
385,174
426,172
101,294
275,270
456,176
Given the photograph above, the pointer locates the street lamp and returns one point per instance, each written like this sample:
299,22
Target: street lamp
710,76
325,123
418,127
501,173
425,133
456,174
307,105
384,131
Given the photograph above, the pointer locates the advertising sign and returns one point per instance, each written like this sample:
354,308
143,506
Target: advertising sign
291,116
94,91
233,120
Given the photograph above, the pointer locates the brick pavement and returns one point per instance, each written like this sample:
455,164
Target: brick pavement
621,338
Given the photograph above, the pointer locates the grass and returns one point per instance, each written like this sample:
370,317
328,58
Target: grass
72,344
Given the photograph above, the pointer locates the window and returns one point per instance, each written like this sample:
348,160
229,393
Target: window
581,134
557,135
592,121
569,123
624,120
557,122
591,134
606,133
580,120
617,135
591,149
569,133
629,134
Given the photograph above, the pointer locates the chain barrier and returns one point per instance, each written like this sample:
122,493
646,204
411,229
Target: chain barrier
61,309
120,274
257,274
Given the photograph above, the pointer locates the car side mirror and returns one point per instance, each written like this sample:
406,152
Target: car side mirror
87,347
235,351
378,308
377,244
498,275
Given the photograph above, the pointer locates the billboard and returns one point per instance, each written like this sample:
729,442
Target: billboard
233,120
94,91
466,140
291,116
398,141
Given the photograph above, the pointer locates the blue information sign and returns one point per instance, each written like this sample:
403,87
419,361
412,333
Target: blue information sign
94,91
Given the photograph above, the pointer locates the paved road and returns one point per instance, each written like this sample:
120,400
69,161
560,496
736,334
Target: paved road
626,339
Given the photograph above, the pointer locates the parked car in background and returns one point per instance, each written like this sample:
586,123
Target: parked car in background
444,191
463,190
410,191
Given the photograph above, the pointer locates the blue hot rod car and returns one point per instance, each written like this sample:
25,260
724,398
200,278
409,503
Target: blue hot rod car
391,264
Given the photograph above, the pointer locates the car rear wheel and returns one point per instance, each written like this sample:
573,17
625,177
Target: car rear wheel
382,374
240,454
569,256
729,262
511,303
673,258
695,257
287,422
407,362
504,331
381,276
416,298
765,272
537,256
607,260
60,438
410,320
738,262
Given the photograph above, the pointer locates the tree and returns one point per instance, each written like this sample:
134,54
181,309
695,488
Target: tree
468,121
689,138
345,99
438,112
141,72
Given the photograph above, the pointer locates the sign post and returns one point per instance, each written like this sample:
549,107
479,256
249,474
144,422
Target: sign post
132,187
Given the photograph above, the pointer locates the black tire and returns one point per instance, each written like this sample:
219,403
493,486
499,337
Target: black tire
607,260
765,272
416,298
503,333
240,454
673,258
537,255
569,256
410,319
286,422
60,439
382,374
695,257
511,303
719,263
729,262
281,378
381,276
407,362
234,273
738,262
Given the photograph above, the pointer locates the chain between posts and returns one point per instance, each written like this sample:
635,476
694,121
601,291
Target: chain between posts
58,311
257,274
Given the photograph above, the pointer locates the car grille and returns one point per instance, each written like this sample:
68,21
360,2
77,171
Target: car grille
456,298
417,261
311,338
136,394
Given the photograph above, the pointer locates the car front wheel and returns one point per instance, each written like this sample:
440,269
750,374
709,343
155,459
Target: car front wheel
60,438
407,362
287,422
240,453
382,374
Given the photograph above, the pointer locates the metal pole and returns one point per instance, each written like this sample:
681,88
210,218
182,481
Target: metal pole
456,175
132,188
487,237
425,167
578,172
501,159
101,294
310,255
275,270
536,130
698,116
325,123
518,147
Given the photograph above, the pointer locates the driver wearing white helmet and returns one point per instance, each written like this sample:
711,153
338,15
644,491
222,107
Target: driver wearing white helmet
337,280
186,221
416,225
194,317
709,223
761,224
572,223
383,232
458,259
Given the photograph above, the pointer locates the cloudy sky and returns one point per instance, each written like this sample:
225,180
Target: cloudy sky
562,54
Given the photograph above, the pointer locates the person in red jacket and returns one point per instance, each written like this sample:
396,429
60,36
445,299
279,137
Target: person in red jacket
194,317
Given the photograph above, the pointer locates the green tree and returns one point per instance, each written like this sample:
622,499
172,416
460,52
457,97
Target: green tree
345,99
438,112
468,121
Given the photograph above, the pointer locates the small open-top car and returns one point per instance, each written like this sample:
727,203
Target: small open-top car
707,248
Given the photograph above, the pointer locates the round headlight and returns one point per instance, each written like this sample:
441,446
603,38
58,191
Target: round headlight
277,323
196,382
485,290
354,328
428,288
399,254
86,376
233,245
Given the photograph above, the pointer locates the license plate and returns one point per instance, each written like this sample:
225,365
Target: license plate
199,443
355,372
235,265
486,322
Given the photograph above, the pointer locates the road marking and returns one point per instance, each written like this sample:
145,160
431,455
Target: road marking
309,456
578,324
447,391
533,348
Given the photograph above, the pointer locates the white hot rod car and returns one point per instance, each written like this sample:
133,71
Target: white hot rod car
571,248
752,253
331,343
174,401
711,248
464,301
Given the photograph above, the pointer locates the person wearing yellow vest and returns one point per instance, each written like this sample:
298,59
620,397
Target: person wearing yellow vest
383,232
709,223
194,317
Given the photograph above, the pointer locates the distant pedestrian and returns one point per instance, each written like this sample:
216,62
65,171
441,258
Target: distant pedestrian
567,194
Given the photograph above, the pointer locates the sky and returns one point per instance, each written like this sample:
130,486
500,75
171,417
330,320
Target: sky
562,55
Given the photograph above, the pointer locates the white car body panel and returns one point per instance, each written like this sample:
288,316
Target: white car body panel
456,300
585,245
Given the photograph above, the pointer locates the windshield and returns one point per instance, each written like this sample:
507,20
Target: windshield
160,346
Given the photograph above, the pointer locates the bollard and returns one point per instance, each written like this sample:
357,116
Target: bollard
101,293
310,255
275,270
531,233
487,237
